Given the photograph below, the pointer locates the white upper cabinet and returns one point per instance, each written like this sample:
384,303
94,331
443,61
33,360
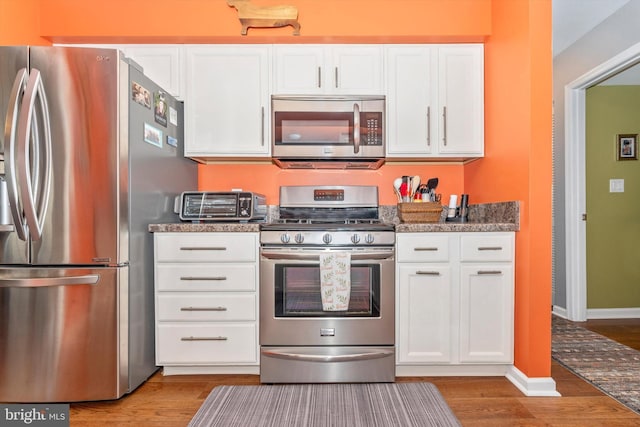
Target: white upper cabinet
328,69
162,63
228,96
435,101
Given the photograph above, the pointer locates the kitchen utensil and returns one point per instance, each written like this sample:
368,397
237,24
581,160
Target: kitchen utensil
415,183
432,183
396,187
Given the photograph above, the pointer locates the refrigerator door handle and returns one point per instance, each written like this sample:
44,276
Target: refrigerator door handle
41,282
34,185
11,127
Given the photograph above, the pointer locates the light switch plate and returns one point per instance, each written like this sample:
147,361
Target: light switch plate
616,186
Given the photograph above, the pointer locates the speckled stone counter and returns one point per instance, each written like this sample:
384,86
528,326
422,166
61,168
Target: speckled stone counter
187,227
503,216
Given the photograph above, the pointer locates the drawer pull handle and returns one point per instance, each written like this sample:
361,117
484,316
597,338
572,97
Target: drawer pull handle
490,248
489,272
203,339
428,273
425,249
203,309
203,278
203,248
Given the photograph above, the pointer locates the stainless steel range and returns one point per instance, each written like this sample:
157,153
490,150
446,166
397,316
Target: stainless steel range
327,288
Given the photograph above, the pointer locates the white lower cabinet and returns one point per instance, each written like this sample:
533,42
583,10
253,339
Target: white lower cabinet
455,303
206,302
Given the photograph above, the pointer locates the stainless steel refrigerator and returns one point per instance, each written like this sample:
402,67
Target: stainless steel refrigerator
92,154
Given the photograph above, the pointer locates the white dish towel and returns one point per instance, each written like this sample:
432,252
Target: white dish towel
335,280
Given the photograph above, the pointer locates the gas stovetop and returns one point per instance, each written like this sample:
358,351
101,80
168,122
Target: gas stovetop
328,216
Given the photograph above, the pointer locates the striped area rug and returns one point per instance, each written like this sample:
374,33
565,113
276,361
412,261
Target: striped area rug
353,405
612,367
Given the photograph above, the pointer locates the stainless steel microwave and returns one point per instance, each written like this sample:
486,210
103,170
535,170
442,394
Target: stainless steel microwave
328,131
232,206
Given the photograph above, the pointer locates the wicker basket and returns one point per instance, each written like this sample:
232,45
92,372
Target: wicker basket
419,212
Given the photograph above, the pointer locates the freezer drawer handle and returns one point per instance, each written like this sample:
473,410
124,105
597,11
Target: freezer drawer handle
203,309
328,358
203,278
203,339
200,248
41,282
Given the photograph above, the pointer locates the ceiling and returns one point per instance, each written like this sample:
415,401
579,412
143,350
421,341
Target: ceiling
572,19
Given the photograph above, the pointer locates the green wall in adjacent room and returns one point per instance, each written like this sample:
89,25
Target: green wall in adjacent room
613,219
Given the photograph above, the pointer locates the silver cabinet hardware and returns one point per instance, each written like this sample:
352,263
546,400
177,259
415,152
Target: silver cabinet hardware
217,278
203,308
428,249
429,126
428,273
489,272
490,248
203,248
444,128
203,339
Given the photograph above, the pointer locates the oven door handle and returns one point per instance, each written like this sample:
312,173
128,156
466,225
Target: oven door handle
354,357
316,257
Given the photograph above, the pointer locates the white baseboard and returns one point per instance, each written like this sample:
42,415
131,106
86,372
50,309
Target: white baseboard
560,311
210,370
532,386
613,313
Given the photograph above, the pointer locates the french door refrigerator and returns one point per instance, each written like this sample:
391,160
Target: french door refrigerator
91,154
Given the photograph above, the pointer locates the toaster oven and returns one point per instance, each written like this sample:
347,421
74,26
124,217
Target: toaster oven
231,206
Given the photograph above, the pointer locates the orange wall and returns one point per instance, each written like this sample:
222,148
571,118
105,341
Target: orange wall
517,165
518,64
20,22
267,179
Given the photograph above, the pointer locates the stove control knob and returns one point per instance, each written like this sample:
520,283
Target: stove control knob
369,238
299,238
285,238
355,239
326,238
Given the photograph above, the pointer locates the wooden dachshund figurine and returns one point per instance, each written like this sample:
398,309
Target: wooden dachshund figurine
251,15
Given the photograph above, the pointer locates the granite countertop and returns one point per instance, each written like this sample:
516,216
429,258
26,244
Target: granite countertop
503,216
220,227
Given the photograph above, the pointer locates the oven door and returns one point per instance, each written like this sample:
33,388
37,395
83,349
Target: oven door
291,312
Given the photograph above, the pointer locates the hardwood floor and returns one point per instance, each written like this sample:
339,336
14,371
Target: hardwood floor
476,401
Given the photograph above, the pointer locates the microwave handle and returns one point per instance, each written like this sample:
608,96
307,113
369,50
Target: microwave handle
356,128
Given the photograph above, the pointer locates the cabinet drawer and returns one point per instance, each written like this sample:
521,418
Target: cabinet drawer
206,307
205,277
212,247
206,344
422,247
486,248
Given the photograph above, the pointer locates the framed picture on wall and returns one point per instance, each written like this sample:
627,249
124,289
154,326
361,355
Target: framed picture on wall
627,147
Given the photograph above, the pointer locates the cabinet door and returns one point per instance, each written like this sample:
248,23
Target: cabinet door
411,108
486,313
356,70
228,109
328,69
299,70
424,313
461,100
161,63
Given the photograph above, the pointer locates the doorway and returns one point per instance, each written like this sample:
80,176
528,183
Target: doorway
575,201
